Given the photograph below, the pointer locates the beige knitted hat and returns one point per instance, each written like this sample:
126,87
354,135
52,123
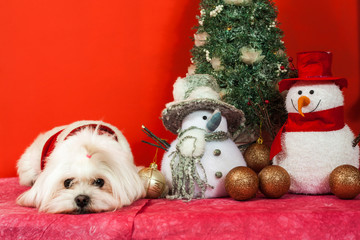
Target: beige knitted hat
198,92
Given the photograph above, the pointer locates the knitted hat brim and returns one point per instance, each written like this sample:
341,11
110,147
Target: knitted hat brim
173,115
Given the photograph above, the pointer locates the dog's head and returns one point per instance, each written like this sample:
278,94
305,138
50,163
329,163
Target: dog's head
87,172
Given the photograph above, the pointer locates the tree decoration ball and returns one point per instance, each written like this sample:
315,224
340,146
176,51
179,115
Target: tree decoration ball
241,183
153,180
345,181
257,156
274,181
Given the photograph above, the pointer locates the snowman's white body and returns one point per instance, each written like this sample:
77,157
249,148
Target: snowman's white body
310,157
229,157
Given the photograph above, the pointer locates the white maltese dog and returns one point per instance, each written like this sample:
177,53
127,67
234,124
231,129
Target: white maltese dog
83,167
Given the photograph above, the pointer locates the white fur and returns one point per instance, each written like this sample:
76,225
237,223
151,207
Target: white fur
229,158
110,160
310,157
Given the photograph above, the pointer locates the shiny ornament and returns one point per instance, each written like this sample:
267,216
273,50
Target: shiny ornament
274,181
345,182
153,180
257,156
241,183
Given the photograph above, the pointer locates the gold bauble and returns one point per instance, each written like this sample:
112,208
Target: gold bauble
345,182
274,181
241,183
153,180
257,156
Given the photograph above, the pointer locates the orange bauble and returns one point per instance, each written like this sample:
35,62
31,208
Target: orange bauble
274,181
241,183
345,182
257,156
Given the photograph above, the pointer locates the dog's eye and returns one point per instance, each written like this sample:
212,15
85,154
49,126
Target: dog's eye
204,117
99,182
67,182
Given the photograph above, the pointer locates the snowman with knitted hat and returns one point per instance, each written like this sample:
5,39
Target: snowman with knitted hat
314,140
200,157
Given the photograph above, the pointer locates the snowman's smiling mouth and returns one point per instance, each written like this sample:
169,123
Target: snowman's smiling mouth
292,102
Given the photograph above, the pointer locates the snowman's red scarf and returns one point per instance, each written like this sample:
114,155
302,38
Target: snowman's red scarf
50,143
327,120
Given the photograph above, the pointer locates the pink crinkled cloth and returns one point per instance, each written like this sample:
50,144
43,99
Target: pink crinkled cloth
291,217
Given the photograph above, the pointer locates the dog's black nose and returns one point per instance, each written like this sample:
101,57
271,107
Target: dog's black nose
82,200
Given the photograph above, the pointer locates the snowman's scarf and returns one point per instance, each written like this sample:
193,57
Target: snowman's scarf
184,171
321,121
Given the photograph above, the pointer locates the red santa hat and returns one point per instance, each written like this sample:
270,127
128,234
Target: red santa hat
313,66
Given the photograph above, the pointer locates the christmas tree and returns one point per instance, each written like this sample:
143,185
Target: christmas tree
239,43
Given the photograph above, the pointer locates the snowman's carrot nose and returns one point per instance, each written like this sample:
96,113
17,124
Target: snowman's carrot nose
214,121
303,102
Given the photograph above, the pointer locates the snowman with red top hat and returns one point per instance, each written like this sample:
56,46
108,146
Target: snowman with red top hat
314,140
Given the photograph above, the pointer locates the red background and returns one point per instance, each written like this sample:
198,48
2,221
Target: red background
62,61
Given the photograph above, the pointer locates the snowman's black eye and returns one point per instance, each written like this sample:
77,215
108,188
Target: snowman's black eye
204,117
311,92
299,92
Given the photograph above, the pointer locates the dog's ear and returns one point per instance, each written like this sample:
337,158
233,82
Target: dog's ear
28,198
126,184
40,192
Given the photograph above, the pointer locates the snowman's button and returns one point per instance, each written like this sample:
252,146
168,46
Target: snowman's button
218,174
217,152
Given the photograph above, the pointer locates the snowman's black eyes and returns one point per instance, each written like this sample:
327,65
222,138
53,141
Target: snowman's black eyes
299,92
311,92
204,117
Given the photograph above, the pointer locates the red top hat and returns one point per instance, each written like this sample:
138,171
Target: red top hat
313,66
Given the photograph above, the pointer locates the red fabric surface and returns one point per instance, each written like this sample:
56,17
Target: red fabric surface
18,222
291,217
